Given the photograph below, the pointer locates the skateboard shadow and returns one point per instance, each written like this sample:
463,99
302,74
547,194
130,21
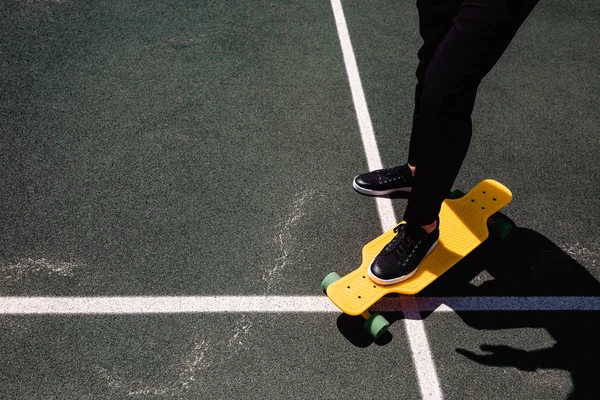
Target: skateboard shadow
528,264
525,264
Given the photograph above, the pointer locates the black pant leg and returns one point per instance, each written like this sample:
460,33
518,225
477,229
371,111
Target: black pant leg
480,33
435,20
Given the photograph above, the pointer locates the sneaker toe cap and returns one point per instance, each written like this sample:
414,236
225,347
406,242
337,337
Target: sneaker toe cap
379,270
365,180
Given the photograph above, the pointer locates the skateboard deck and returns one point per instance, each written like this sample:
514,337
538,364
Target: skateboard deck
463,227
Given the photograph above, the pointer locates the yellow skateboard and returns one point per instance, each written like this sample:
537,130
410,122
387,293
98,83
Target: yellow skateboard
464,223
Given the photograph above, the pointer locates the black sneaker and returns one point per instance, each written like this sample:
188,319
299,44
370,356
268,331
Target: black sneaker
401,257
384,181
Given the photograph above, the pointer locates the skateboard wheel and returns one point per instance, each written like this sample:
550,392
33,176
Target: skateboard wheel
329,279
500,226
376,325
456,194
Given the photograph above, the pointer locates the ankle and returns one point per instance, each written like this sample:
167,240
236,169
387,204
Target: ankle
429,227
412,169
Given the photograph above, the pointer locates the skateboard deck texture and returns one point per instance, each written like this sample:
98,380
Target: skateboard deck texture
463,227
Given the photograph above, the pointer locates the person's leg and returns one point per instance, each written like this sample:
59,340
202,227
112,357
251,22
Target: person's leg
481,32
479,35
435,20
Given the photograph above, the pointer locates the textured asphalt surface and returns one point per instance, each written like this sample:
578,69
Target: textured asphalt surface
171,148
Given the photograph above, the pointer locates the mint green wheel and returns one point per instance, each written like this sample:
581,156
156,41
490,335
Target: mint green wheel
500,226
329,279
376,325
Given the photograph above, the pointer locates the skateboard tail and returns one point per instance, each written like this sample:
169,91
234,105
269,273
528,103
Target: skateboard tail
355,294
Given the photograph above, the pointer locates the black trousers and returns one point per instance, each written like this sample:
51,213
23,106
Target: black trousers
462,41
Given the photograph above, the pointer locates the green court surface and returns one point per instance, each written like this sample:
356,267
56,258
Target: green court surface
176,181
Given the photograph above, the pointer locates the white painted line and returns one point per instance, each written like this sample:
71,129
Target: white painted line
505,303
428,381
384,205
165,305
421,354
410,306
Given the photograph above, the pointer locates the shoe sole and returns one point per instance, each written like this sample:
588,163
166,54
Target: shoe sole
370,192
387,282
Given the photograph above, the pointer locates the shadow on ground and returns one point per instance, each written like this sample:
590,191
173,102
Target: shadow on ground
524,264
